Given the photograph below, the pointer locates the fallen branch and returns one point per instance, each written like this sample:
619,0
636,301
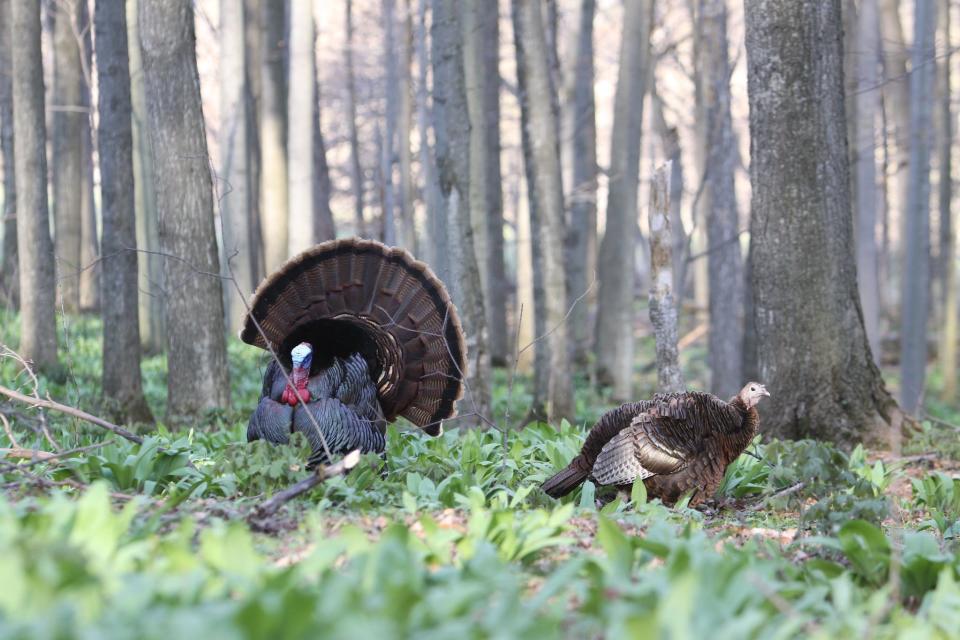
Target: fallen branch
779,494
72,411
322,472
36,456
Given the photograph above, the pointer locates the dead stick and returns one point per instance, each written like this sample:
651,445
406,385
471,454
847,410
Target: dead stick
779,494
36,456
322,472
77,413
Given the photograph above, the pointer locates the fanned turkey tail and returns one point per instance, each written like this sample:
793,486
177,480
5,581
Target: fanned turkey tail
571,477
359,296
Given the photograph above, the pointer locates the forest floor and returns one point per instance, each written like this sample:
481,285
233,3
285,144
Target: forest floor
451,537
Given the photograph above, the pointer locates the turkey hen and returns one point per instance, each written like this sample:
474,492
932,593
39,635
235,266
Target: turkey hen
676,443
365,333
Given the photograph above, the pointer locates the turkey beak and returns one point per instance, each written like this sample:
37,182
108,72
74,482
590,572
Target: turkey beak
764,392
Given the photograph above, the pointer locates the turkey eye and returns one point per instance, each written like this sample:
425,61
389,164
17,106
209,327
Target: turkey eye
753,388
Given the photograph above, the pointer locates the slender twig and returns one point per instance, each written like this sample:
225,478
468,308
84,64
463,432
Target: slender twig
779,494
36,456
6,427
72,411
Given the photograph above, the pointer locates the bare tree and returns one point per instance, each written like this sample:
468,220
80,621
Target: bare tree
233,190
481,35
300,111
66,147
390,120
436,221
582,231
720,203
452,128
811,346
663,311
322,186
9,276
866,104
38,329
122,387
152,311
356,171
89,242
408,230
540,130
616,296
196,347
916,235
273,136
948,252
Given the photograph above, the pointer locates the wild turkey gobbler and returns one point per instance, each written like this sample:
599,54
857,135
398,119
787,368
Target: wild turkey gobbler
366,333
676,443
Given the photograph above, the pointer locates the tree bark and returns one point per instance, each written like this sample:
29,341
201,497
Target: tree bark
67,150
356,171
233,189
322,187
948,348
253,40
811,346
670,140
300,101
196,347
725,346
616,260
89,242
866,103
663,311
582,232
150,278
896,98
390,121
916,235
122,387
540,127
9,271
436,221
274,210
452,130
38,329
408,229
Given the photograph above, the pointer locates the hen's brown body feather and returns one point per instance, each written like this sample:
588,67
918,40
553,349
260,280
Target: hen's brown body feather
677,443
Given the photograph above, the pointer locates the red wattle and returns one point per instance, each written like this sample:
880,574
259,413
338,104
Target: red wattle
299,377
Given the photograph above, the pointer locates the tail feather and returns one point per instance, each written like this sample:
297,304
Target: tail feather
566,481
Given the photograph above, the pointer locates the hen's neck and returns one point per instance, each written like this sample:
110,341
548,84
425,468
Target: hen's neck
737,439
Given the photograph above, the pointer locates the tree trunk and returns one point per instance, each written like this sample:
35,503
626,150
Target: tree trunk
233,189
322,187
481,36
196,346
616,296
390,121
670,141
152,305
122,388
916,234
436,222
663,312
89,243
356,171
811,346
253,40
408,229
300,101
866,103
67,150
948,348
582,233
9,271
896,99
452,127
540,127
720,204
525,349
274,210
38,328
